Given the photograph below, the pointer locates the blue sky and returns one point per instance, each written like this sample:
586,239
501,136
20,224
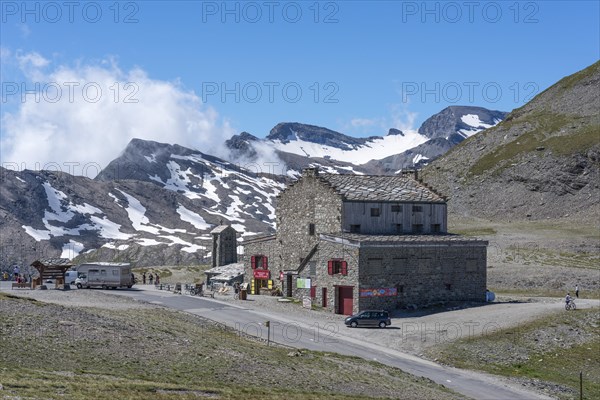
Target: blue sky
362,67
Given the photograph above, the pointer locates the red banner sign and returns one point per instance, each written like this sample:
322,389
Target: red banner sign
261,274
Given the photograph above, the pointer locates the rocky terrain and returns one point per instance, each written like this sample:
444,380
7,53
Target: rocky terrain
100,346
541,162
302,145
154,205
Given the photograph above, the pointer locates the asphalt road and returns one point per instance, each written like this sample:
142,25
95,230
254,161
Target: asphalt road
302,335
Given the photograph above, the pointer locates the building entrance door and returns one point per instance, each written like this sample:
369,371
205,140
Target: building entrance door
345,300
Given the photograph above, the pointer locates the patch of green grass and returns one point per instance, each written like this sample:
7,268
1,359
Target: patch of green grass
579,141
533,255
553,349
475,231
158,353
571,80
538,125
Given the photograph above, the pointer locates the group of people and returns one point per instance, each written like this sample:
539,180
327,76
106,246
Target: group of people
16,276
151,278
568,297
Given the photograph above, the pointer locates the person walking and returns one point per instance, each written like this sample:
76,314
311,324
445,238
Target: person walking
151,278
16,272
577,291
144,278
157,279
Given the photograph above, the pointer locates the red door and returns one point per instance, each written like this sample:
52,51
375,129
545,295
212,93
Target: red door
345,300
324,297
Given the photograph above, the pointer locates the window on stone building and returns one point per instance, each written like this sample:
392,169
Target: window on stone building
448,286
400,288
418,228
259,262
398,228
400,264
436,228
374,263
417,208
375,212
311,229
471,265
354,228
312,265
396,208
337,266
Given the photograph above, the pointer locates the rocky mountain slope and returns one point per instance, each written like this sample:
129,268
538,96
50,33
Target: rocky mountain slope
542,161
154,205
301,145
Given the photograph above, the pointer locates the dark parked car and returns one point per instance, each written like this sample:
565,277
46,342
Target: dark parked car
378,318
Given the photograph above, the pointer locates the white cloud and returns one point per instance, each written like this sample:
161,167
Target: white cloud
363,122
32,59
89,112
399,117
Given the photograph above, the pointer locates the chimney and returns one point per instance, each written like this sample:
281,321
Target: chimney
310,172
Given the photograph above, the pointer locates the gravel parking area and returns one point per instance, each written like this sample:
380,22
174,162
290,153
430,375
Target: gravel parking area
411,331
414,331
77,298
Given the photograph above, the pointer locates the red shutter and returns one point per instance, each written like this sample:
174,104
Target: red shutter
344,268
265,262
330,267
253,262
313,292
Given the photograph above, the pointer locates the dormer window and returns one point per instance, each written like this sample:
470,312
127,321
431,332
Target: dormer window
397,208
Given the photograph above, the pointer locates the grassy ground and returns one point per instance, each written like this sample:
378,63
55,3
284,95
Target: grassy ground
50,351
550,352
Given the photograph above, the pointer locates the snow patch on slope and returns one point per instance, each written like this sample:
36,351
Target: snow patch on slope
189,216
373,150
71,250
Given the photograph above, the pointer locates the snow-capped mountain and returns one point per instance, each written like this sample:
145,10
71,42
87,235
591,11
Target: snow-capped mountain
301,145
155,204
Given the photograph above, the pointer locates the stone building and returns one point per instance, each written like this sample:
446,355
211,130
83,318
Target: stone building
355,242
224,246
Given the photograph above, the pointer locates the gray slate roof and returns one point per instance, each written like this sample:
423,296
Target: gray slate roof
380,188
53,262
220,228
360,240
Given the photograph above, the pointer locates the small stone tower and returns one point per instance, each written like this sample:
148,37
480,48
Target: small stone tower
224,246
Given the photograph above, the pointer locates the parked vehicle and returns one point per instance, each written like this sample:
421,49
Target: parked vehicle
71,276
372,318
104,275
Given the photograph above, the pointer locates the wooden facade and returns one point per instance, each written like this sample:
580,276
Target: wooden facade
394,218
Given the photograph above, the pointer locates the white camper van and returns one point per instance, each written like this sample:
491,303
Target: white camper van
71,276
104,275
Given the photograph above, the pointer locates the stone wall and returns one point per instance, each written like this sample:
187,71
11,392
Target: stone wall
308,201
265,247
423,274
224,247
419,273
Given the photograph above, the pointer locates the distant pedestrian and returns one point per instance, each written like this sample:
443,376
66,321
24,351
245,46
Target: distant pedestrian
151,278
16,272
577,291
144,278
157,279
